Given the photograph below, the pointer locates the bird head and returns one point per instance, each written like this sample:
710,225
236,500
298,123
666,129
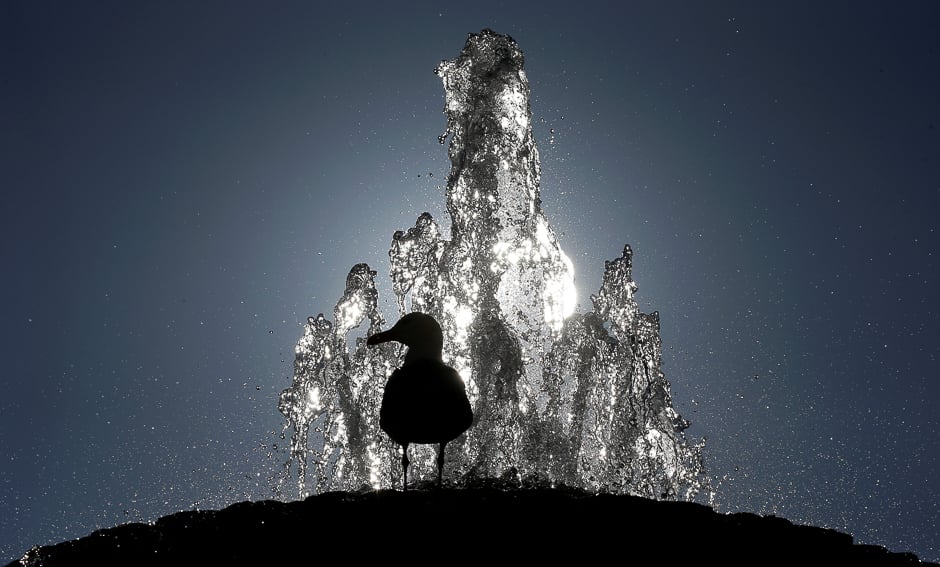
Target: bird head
419,332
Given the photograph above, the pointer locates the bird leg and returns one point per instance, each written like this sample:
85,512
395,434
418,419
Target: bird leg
440,463
404,467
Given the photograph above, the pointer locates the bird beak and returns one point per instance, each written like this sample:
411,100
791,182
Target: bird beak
378,338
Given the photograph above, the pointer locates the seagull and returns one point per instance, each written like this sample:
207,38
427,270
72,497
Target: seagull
425,400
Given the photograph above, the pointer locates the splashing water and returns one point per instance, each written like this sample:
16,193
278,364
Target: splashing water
558,397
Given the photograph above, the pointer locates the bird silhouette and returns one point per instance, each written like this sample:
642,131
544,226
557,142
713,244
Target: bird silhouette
425,400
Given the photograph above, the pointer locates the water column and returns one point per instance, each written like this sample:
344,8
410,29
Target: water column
558,397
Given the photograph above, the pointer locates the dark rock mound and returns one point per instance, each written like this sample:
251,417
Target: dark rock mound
479,525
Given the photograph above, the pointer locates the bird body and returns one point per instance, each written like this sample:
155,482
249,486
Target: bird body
425,401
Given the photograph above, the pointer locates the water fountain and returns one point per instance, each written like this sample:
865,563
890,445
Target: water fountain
560,398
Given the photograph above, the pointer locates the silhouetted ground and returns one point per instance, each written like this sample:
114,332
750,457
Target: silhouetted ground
478,525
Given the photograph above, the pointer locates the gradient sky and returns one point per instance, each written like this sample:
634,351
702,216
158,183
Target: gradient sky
185,182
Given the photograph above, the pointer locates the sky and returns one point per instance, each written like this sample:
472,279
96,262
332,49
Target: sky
185,182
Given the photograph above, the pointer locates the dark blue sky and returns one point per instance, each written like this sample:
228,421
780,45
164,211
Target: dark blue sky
184,183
